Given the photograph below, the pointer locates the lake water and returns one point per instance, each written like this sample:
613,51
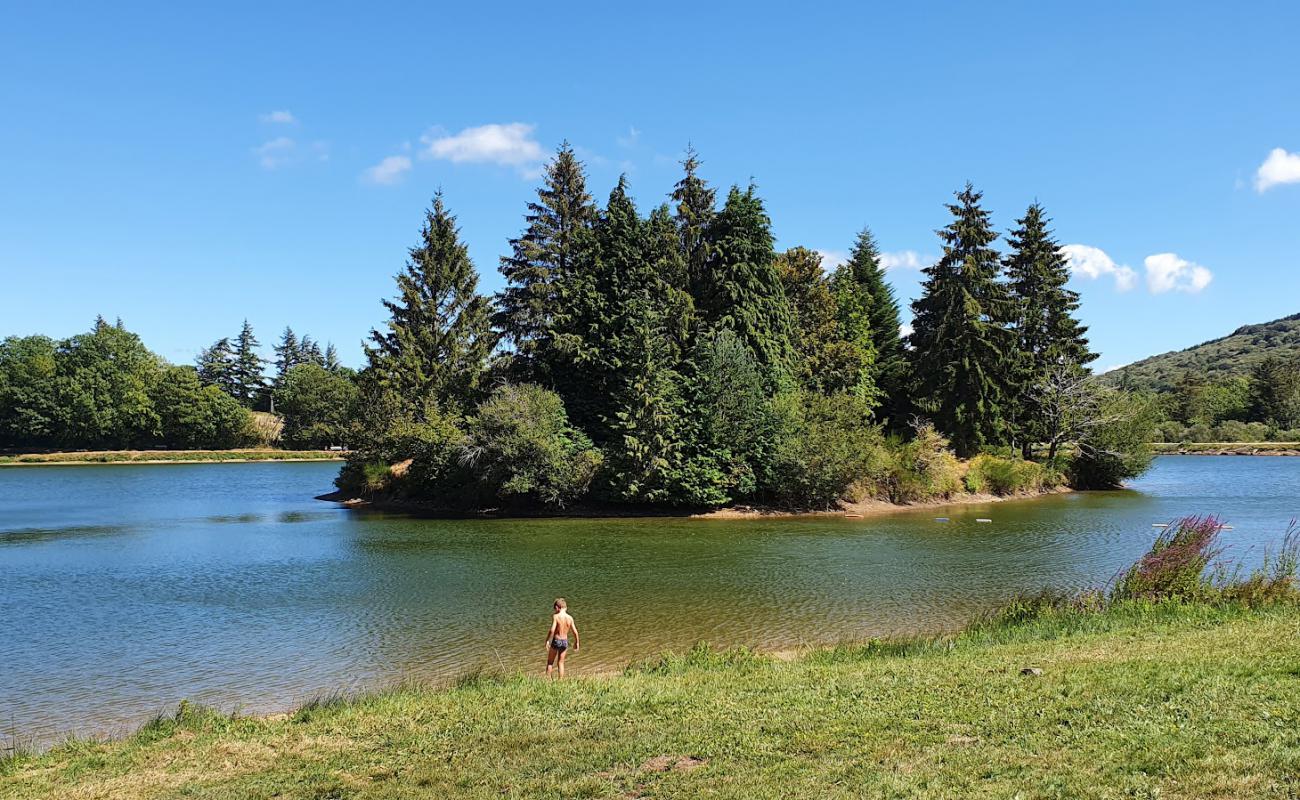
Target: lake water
124,589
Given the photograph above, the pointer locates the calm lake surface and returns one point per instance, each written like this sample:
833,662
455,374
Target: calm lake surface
124,589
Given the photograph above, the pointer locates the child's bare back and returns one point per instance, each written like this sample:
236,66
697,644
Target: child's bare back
557,638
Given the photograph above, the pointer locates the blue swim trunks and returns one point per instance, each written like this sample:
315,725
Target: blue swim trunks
560,643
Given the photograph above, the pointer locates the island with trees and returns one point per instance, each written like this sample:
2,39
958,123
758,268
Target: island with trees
676,360
669,360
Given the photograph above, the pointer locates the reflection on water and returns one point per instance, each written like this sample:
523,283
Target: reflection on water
128,588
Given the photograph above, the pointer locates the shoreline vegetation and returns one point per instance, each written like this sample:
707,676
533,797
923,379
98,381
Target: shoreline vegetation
1227,448
1177,680
168,457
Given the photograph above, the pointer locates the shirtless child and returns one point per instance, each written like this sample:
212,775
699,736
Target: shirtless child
557,639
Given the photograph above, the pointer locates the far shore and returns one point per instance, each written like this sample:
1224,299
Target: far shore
1227,448
858,510
99,457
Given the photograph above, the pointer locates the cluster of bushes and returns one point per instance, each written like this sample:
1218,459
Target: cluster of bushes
1227,431
991,474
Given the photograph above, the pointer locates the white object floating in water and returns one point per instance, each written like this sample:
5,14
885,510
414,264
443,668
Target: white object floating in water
1225,527
940,519
1160,524
983,520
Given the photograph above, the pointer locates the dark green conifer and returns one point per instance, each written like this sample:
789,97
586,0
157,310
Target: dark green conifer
868,312
827,361
743,293
556,246
961,342
439,334
1047,334
247,376
696,202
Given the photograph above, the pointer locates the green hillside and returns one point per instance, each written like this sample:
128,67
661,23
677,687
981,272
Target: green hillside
1228,356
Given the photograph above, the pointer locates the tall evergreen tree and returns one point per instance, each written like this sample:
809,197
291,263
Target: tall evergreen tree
438,335
827,361
1047,333
332,362
556,246
696,202
960,340
309,352
744,292
868,312
216,366
247,376
288,354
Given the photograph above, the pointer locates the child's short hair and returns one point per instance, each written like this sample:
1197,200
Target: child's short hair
559,603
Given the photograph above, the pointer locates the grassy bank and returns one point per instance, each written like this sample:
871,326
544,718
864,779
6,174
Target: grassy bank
1228,448
1140,700
169,456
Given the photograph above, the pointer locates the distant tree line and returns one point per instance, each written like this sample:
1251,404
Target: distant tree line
1263,405
105,390
676,358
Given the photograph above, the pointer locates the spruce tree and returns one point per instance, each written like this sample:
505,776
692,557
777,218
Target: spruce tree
696,202
332,362
248,379
961,342
309,352
439,335
868,312
827,361
216,366
744,293
556,246
1047,333
288,354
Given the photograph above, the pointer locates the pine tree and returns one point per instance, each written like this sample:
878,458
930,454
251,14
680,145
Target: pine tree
961,342
332,362
743,293
288,354
216,366
439,332
248,379
827,361
309,352
868,312
695,212
1047,334
556,246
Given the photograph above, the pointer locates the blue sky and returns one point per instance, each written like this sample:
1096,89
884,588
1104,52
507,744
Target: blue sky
184,168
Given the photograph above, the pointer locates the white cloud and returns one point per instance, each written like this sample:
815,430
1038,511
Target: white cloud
1166,272
1280,167
276,153
510,145
389,171
832,259
279,117
633,136
1092,262
904,259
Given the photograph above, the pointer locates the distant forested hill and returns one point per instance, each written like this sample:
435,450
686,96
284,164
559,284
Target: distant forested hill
1231,355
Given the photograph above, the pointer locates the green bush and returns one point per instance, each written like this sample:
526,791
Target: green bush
1170,431
921,469
1200,432
1004,476
824,448
1285,435
520,449
1119,447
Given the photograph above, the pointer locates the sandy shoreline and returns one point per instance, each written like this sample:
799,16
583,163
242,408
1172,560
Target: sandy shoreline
860,510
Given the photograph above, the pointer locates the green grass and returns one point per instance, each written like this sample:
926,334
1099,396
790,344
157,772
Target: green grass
169,456
1139,700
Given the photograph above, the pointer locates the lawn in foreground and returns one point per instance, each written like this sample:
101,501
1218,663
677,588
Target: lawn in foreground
1139,701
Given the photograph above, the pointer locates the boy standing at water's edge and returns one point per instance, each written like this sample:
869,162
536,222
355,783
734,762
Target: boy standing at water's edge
557,639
